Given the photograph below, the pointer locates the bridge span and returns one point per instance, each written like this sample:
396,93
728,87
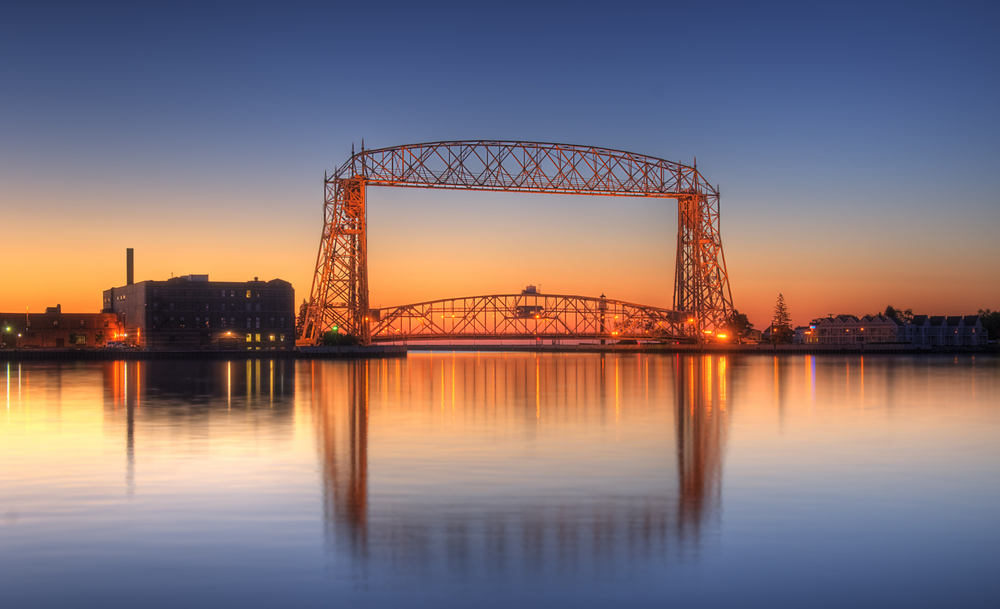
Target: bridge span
529,315
339,296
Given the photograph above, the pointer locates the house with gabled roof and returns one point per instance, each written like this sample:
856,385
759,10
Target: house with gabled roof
849,330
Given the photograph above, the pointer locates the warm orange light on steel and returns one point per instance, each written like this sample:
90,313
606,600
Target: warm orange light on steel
522,316
339,295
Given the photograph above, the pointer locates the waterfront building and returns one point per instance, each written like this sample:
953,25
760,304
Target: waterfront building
54,329
954,331
849,329
802,335
193,313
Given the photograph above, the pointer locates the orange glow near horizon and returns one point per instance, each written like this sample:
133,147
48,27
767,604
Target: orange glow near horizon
426,245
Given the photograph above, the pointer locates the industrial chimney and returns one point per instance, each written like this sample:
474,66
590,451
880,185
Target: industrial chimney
129,267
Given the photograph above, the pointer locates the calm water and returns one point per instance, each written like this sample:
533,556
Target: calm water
502,479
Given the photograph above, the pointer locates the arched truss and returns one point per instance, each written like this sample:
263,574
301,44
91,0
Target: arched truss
527,316
339,295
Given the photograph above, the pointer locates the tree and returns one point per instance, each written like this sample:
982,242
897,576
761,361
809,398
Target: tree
781,323
739,325
991,323
300,321
903,315
334,338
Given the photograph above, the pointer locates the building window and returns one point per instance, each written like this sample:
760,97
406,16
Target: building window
249,322
171,306
257,337
258,322
249,337
258,306
272,322
282,322
282,338
271,338
81,323
248,307
248,293
222,322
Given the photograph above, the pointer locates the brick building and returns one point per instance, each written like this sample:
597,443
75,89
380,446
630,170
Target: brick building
193,313
54,329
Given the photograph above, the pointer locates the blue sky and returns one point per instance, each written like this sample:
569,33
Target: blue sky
841,134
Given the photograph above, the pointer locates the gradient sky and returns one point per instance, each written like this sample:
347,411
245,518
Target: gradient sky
855,145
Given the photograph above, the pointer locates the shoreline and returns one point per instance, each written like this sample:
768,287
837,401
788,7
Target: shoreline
396,351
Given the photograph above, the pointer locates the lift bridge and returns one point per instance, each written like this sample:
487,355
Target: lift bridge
702,301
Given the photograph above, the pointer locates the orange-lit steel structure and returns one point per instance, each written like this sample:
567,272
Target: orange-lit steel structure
339,295
512,316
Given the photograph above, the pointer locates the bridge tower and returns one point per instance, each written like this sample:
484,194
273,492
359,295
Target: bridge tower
701,282
340,283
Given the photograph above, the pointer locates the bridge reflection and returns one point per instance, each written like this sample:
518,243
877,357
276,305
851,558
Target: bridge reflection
552,462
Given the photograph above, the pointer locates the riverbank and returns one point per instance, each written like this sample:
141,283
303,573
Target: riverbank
352,352
394,351
862,349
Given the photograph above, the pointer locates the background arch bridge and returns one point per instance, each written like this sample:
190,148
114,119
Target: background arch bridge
529,316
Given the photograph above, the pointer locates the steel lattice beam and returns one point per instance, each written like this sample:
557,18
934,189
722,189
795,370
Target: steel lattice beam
527,316
339,295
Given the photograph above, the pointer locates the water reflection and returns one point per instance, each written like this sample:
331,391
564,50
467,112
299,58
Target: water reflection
553,494
184,394
540,480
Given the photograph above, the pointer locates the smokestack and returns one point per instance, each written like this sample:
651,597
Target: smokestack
129,266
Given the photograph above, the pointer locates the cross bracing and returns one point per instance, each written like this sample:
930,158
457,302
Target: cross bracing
529,316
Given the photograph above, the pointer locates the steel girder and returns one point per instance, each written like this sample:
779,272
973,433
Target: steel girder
529,316
339,295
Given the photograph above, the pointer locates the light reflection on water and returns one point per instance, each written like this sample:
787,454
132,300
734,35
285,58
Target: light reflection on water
506,478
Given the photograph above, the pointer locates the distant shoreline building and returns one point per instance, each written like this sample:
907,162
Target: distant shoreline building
193,313
954,331
55,329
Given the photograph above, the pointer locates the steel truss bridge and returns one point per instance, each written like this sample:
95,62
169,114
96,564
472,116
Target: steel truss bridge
702,303
513,316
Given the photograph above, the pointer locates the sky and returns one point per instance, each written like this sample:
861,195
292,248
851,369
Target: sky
855,146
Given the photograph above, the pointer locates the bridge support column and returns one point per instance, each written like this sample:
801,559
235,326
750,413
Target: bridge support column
701,282
339,296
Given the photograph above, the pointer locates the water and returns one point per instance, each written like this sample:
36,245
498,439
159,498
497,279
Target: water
502,479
